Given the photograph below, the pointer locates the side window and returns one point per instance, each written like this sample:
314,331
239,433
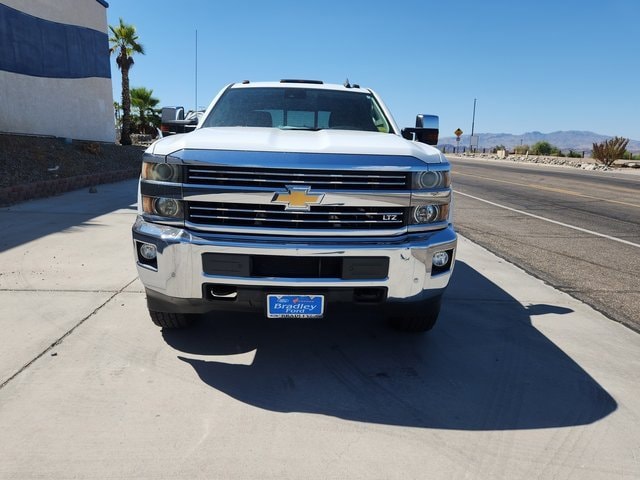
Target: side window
378,118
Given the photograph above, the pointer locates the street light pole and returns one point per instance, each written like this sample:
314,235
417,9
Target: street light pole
473,124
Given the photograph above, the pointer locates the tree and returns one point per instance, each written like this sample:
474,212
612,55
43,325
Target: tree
610,150
542,148
124,43
142,98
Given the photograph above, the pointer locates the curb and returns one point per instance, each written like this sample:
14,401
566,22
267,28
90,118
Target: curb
47,188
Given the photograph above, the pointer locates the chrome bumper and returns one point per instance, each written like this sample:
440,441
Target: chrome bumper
179,273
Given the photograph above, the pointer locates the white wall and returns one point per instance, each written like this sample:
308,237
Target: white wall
71,108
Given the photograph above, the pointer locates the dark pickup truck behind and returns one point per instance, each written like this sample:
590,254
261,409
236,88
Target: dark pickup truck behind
174,120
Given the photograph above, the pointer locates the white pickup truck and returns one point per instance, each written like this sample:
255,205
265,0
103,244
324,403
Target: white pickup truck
296,199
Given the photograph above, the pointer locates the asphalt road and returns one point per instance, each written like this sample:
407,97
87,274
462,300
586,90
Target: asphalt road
577,230
517,380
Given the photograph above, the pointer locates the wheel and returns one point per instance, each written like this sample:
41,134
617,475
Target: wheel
170,320
418,318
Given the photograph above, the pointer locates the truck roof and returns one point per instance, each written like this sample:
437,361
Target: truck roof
293,83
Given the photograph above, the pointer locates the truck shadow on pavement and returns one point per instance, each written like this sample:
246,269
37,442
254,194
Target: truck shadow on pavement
483,367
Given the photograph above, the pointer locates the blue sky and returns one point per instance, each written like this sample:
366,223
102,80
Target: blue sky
532,65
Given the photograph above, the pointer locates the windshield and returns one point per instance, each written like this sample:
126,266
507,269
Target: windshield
298,108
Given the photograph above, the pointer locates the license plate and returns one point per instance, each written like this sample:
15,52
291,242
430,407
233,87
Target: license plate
295,306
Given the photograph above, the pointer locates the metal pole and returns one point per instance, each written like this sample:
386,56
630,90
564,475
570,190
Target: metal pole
196,109
473,124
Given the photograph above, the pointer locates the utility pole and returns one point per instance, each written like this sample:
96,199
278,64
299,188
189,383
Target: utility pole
473,124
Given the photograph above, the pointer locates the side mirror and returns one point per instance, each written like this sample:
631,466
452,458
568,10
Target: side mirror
426,130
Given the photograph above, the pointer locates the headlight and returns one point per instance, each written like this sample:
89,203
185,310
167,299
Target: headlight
168,207
429,180
162,172
425,214
164,207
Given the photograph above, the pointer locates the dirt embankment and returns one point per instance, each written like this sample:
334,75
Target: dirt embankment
32,167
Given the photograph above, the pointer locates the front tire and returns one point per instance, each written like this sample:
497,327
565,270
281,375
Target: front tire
419,318
170,320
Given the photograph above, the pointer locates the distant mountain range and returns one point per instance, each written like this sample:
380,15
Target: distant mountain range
577,141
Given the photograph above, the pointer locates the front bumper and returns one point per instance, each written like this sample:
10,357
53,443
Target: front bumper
176,282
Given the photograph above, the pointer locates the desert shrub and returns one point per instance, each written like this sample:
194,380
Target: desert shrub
631,156
610,150
543,148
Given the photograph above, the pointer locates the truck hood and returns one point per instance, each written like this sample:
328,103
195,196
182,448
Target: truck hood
258,139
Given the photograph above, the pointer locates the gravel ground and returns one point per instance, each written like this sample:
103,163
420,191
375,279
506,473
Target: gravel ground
27,159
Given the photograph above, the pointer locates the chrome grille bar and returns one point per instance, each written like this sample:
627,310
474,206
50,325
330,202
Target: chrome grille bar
293,220
272,212
365,180
275,216
199,170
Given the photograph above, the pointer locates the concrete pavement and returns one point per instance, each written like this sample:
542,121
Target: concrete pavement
517,380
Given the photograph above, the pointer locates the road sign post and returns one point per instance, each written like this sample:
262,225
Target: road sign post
458,133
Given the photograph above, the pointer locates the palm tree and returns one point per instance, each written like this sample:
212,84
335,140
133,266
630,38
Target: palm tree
142,98
124,43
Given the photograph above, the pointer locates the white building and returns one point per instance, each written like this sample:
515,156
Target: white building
55,74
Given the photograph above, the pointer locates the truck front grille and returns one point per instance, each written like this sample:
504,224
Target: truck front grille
275,216
280,178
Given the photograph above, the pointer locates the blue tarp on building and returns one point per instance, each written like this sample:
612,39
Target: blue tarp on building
41,48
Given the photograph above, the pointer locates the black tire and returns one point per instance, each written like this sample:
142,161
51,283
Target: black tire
170,320
419,318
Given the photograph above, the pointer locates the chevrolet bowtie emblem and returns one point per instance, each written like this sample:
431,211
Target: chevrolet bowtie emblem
298,198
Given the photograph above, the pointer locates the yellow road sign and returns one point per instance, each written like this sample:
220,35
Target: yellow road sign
458,132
